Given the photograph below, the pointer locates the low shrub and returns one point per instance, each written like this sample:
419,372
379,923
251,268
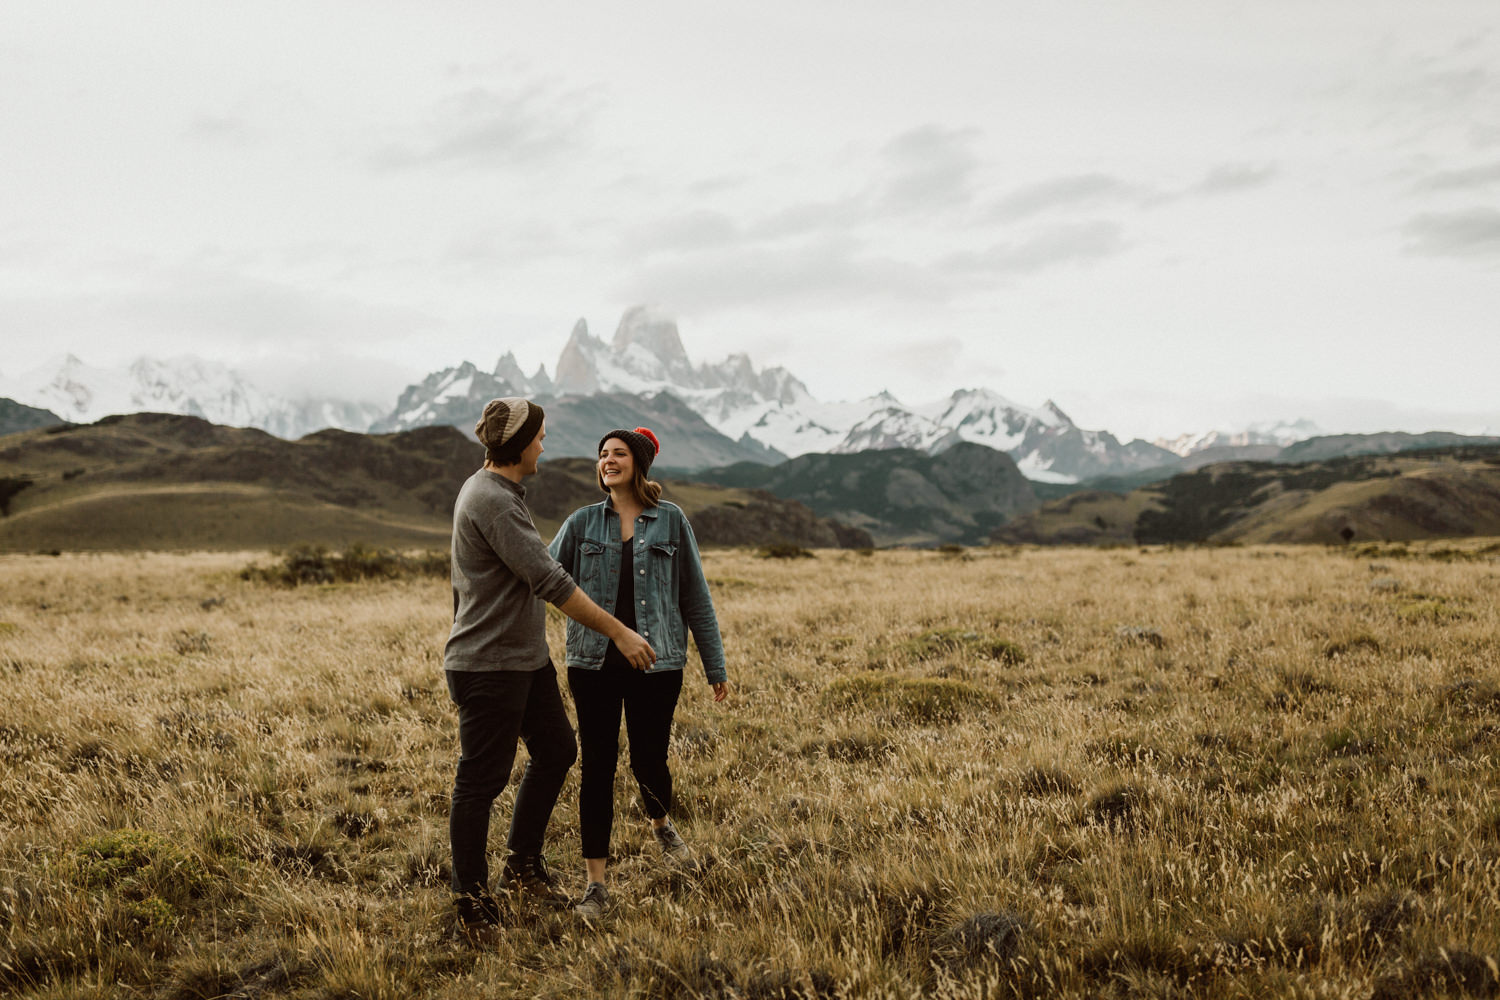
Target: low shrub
1435,610
784,550
948,641
921,700
153,878
316,564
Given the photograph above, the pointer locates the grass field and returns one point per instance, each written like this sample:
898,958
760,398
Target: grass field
1230,772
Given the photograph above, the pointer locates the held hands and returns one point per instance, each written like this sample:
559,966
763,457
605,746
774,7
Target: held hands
637,651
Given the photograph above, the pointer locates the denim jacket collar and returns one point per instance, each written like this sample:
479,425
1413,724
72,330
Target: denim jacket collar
648,511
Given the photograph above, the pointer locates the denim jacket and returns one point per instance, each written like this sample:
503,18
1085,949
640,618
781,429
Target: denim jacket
671,593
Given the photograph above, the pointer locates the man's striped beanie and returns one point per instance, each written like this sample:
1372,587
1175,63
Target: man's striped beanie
506,427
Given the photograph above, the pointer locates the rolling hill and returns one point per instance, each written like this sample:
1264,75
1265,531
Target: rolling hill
901,495
162,481
16,417
1432,493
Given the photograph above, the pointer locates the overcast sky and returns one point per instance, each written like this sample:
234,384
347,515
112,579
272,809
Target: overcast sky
1165,216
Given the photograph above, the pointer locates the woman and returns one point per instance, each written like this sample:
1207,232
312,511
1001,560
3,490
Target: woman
634,554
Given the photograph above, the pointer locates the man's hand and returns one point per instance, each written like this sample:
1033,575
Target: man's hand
635,649
721,691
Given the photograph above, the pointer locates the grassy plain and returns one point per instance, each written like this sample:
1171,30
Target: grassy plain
1063,773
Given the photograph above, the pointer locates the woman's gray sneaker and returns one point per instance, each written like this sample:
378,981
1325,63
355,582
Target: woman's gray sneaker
595,902
672,844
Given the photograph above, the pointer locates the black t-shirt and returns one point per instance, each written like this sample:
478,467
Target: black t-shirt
624,604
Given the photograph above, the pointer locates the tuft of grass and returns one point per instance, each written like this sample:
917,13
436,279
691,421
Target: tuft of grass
919,699
1435,610
1142,635
1357,642
1047,779
1443,972
1118,805
980,939
858,746
959,641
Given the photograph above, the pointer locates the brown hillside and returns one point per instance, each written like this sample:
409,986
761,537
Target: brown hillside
158,481
1403,497
1427,500
1089,517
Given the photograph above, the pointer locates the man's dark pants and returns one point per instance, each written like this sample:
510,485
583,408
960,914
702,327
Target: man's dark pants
495,708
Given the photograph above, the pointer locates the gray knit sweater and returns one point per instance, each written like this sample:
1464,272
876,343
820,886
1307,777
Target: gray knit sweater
502,574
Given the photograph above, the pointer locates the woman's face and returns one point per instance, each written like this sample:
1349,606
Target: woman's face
616,464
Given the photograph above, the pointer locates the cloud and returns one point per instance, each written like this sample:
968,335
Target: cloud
523,242
811,217
1062,193
930,168
1444,88
832,269
934,359
1227,178
694,230
1055,246
184,309
316,372
1458,180
1469,232
486,127
218,129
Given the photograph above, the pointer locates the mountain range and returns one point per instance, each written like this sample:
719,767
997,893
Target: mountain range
80,393
710,415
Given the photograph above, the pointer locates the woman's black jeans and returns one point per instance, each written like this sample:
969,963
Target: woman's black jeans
649,700
495,707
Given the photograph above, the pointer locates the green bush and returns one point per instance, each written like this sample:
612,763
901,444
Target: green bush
316,564
784,550
154,878
950,641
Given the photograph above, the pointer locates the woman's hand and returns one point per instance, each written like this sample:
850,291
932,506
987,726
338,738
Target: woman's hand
721,691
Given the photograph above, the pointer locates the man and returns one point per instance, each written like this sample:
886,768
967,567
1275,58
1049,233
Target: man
498,669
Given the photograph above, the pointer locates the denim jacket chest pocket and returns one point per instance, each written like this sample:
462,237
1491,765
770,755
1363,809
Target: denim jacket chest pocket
595,561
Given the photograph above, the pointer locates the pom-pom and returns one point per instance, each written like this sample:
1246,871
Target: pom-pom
650,436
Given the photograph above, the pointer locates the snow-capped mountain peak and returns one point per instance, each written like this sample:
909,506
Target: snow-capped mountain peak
655,335
81,393
1058,417
576,370
1279,433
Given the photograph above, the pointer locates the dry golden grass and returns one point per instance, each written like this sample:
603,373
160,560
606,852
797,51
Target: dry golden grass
1070,773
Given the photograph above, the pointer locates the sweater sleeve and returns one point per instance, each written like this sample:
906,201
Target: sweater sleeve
515,540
